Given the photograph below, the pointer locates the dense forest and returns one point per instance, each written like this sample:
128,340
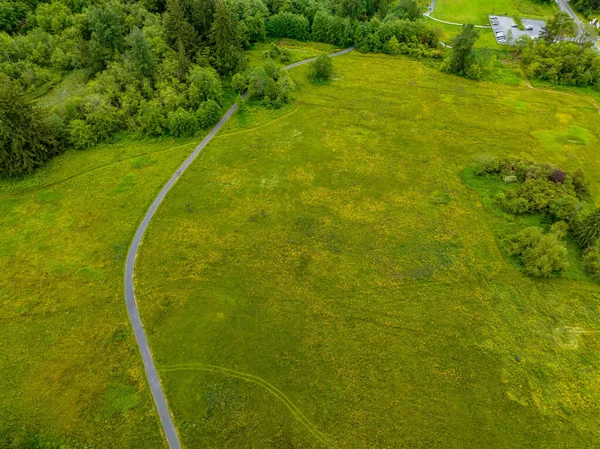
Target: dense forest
155,67
158,68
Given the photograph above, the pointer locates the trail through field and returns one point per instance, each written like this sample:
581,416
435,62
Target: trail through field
264,384
530,86
132,309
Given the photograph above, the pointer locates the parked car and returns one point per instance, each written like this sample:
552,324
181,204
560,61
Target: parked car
528,27
514,25
499,34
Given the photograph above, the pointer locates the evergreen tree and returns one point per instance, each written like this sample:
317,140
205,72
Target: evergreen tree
587,232
201,14
140,55
224,36
177,27
461,57
183,62
353,8
26,140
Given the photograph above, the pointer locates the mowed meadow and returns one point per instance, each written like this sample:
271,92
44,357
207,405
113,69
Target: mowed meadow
327,278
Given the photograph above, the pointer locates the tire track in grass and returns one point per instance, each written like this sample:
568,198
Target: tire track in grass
295,411
133,312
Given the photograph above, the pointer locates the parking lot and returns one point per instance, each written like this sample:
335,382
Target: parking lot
510,32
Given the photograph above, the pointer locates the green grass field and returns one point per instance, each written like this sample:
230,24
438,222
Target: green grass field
69,366
321,276
324,277
477,11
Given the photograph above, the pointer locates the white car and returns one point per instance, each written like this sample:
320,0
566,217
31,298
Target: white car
499,34
528,27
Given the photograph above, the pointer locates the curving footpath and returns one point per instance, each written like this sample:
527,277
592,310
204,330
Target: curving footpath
132,309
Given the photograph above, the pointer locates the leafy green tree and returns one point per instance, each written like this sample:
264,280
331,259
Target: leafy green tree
587,232
204,85
53,17
287,24
558,27
462,57
182,123
208,114
26,140
408,9
321,68
224,36
12,15
106,26
140,55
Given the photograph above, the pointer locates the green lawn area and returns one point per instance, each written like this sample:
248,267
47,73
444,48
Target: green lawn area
477,11
322,276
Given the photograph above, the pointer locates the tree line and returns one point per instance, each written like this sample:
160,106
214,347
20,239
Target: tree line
160,67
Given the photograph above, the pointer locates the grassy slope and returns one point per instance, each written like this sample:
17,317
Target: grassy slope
477,11
69,365
336,255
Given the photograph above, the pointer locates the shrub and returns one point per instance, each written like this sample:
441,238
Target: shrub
558,176
580,183
559,229
486,164
542,255
591,262
564,207
81,134
393,46
256,83
182,123
512,203
321,68
285,56
274,51
587,232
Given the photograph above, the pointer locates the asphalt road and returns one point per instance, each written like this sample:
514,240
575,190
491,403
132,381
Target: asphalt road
132,309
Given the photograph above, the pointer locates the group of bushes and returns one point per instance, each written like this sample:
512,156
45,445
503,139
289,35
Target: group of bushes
566,63
268,83
562,197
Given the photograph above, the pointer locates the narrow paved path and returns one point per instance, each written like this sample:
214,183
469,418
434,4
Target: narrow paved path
132,309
